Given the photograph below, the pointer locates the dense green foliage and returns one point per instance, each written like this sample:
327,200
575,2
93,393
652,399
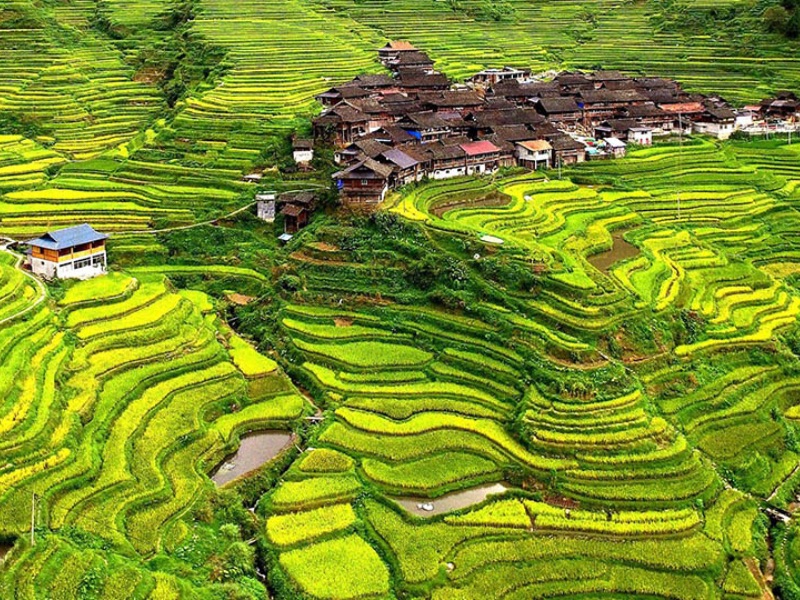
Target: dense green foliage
641,414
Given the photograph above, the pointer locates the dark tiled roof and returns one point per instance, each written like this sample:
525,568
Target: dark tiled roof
400,158
720,114
374,81
342,113
552,106
414,57
608,76
365,169
513,133
639,111
418,80
371,148
293,210
391,134
610,96
446,152
450,98
304,198
564,142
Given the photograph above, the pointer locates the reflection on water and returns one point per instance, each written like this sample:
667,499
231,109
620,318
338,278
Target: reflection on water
425,507
255,450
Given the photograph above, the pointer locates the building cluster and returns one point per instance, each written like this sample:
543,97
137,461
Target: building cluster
391,130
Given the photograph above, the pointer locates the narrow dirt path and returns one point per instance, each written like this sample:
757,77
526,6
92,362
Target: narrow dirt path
37,283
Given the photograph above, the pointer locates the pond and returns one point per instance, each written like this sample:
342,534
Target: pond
255,450
621,250
425,507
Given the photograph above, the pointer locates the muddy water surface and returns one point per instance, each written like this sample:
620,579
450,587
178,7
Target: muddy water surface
449,502
255,450
621,250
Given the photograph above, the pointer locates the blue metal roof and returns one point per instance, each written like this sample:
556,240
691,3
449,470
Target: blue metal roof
67,238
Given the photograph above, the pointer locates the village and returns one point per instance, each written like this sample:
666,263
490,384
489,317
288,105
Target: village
392,130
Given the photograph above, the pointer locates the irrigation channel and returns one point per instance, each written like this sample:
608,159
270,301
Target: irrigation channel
256,449
620,250
425,507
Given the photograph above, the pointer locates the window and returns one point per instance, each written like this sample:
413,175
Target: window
365,182
83,263
99,261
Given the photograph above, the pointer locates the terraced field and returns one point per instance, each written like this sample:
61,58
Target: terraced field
72,73
603,405
127,392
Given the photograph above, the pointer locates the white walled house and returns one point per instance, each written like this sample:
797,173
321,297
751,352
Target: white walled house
717,122
303,152
74,253
642,136
265,206
534,154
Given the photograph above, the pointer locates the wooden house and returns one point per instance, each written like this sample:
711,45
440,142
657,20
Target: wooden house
607,79
567,151
364,183
683,113
648,115
450,100
446,161
392,50
295,217
562,112
74,253
426,127
785,106
341,125
358,151
405,168
598,105
411,61
481,157
416,81
338,94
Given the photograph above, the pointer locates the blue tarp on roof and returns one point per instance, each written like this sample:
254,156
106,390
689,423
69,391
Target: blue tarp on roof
67,238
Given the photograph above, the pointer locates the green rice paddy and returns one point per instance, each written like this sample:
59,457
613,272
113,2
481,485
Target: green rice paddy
640,404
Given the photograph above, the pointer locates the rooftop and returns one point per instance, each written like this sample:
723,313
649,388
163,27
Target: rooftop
478,148
535,145
67,238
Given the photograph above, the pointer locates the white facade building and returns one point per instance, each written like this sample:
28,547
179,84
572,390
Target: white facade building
74,253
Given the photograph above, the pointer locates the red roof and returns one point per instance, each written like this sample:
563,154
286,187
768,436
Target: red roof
482,147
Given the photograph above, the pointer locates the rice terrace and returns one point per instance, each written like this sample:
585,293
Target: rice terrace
399,299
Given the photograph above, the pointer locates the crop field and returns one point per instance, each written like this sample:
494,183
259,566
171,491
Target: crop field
644,451
77,85
109,425
606,404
